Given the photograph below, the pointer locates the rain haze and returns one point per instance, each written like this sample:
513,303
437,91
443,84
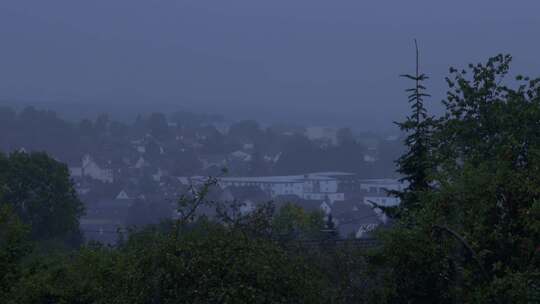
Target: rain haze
278,151
306,61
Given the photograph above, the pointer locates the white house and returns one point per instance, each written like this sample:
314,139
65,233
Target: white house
384,201
309,186
123,195
91,169
159,174
325,208
322,133
141,163
364,229
272,159
241,155
377,193
381,186
369,158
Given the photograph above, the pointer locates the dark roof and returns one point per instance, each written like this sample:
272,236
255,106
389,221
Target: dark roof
348,230
346,206
350,222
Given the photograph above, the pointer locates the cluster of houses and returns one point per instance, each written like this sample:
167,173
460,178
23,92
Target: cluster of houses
314,186
123,172
353,203
142,174
89,168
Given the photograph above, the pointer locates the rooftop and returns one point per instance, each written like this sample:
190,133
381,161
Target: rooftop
332,173
276,179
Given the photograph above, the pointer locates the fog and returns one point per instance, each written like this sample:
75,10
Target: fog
279,151
308,61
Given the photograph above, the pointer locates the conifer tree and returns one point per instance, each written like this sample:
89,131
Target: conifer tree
414,165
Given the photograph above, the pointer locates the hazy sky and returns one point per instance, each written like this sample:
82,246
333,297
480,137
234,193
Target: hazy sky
316,61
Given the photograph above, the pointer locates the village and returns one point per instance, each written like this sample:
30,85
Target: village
269,152
132,174
352,202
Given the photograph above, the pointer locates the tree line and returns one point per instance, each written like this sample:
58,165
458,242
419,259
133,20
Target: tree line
184,141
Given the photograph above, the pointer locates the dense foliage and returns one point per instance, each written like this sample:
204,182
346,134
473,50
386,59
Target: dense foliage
475,236
14,245
192,260
213,265
40,191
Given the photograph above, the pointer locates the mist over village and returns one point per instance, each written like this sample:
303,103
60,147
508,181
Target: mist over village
131,174
269,152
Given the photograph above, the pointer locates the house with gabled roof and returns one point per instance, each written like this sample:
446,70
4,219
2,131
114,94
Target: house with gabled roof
355,219
90,168
141,163
123,195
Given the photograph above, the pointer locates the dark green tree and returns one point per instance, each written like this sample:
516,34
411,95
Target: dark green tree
415,164
14,246
474,238
246,131
193,261
40,191
291,222
157,126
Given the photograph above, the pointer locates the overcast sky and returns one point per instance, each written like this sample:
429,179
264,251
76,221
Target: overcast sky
315,61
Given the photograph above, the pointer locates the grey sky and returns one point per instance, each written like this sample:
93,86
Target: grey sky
323,62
